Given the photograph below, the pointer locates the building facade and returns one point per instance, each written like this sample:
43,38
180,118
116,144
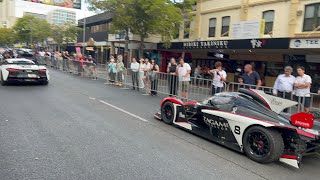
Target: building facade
61,17
7,13
265,33
39,16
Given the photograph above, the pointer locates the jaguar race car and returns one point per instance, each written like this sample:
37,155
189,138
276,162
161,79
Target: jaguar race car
20,69
248,121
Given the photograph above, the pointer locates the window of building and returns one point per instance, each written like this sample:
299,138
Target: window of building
311,17
268,16
212,27
225,26
186,30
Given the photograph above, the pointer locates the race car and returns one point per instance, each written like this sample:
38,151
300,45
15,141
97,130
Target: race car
248,121
20,69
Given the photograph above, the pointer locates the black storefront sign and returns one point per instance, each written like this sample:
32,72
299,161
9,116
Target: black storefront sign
275,43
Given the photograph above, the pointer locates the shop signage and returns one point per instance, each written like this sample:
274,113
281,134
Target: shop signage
255,43
248,29
305,43
206,45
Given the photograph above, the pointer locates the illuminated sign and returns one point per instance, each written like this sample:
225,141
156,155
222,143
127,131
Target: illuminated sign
63,3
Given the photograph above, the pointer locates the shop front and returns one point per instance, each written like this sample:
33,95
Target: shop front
266,55
306,53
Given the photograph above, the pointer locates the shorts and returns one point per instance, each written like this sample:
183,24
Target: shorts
184,86
306,101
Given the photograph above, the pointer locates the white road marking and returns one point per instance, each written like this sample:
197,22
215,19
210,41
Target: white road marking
124,111
92,98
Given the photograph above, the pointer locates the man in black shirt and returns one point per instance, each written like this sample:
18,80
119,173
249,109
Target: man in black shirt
250,77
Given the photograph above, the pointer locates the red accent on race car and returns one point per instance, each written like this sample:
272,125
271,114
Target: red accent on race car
263,100
173,100
304,133
190,103
289,157
302,119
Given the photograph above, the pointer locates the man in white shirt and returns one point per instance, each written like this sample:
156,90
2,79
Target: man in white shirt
183,71
134,66
219,77
302,87
283,86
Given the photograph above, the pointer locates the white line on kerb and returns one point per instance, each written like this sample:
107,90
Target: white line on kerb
124,111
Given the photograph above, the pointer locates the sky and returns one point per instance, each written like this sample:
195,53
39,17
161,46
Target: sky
22,6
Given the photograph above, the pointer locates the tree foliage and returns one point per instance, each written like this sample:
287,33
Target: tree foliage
146,17
64,33
32,30
7,37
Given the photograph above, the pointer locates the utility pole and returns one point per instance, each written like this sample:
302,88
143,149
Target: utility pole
84,34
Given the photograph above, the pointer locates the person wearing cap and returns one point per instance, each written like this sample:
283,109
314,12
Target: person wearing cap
283,85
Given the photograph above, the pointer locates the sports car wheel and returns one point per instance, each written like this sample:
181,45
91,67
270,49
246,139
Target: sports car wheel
44,82
263,145
3,83
167,112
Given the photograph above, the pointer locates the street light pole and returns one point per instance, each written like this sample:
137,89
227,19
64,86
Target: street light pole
84,34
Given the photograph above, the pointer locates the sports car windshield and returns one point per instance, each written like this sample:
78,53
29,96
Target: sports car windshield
21,62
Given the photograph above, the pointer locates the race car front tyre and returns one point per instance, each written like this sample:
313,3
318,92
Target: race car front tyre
263,145
167,112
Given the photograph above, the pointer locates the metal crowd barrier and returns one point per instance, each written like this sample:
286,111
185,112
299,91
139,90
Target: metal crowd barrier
81,68
314,98
163,83
169,85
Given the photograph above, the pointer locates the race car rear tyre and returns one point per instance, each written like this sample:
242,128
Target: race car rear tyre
263,145
167,112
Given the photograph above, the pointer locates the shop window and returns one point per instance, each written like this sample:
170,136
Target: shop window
212,27
225,26
268,16
311,17
186,30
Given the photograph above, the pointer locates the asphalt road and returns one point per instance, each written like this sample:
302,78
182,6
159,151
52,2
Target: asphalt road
76,128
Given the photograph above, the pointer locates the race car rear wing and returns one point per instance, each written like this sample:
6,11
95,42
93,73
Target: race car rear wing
274,103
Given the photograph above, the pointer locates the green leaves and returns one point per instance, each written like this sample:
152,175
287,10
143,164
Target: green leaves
64,33
7,37
30,28
146,17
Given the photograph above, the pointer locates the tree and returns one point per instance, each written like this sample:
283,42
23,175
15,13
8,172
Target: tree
145,17
57,35
71,33
7,37
64,33
32,30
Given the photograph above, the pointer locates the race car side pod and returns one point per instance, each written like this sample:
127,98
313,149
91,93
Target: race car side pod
291,160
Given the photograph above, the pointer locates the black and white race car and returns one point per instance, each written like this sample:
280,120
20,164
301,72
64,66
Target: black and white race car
21,69
248,121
